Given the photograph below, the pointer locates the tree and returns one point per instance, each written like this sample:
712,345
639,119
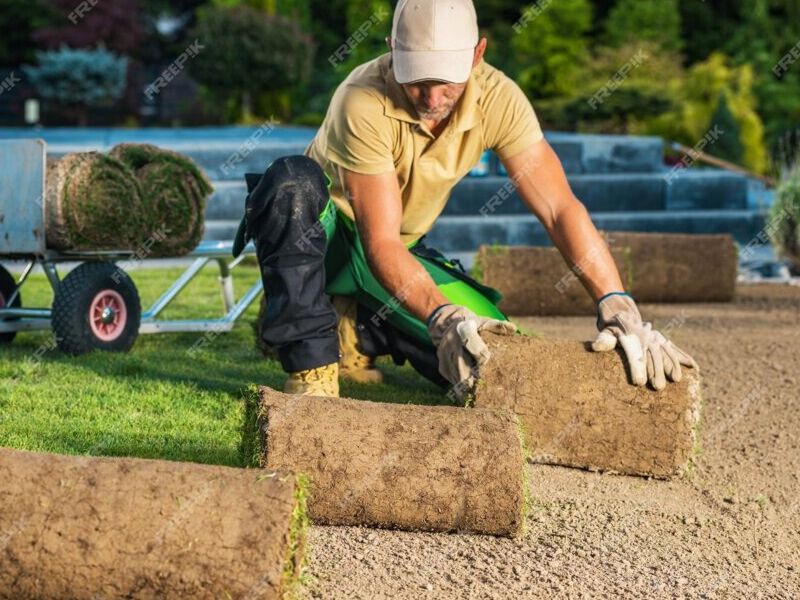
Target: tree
707,26
116,25
369,24
248,53
769,31
697,99
18,20
785,217
79,78
549,46
644,20
621,89
297,10
728,146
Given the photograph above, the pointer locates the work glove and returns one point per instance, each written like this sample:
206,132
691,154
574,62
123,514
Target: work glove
455,331
651,356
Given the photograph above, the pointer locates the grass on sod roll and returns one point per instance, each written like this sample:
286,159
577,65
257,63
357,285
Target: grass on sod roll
159,400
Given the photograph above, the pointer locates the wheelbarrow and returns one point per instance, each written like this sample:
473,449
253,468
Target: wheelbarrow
96,305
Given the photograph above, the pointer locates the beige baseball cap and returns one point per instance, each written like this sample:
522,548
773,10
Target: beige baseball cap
433,39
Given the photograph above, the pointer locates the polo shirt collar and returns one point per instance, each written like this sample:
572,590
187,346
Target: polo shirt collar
466,116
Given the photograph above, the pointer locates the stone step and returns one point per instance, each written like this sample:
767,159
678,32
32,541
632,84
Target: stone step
211,147
589,153
682,190
461,236
467,233
491,195
227,201
221,162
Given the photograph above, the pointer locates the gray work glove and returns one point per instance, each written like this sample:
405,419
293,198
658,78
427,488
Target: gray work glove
651,356
455,331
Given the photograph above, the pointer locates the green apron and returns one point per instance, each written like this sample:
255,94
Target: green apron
347,274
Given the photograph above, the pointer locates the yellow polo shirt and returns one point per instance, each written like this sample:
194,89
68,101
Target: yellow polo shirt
371,128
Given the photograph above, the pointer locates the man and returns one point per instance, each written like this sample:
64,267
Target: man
346,219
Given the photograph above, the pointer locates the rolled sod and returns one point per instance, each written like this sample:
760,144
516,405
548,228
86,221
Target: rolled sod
578,409
654,267
174,189
677,267
138,198
430,468
83,528
93,202
535,280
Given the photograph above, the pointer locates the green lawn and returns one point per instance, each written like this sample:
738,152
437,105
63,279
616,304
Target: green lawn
159,400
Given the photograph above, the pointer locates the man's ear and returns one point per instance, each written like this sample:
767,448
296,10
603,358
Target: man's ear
389,42
479,50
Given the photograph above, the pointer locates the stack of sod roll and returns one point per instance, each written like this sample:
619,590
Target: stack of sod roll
136,196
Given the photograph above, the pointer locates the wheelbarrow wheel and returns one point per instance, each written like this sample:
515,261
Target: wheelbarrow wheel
96,307
7,288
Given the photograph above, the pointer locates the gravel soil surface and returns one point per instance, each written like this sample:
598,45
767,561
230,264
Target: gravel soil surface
729,529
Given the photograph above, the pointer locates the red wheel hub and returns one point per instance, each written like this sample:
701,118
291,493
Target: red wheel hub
108,315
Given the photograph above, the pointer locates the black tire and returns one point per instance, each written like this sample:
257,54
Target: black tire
7,286
83,291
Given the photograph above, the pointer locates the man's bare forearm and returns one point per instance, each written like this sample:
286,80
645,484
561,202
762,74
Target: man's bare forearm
404,277
542,184
585,250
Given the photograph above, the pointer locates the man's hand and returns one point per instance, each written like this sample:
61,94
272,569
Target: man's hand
651,356
455,331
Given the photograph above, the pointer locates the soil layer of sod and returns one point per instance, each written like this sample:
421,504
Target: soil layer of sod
433,468
654,267
85,527
578,410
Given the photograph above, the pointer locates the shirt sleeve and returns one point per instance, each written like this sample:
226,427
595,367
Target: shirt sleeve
359,135
512,125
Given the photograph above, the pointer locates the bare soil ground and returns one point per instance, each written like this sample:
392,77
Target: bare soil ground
730,529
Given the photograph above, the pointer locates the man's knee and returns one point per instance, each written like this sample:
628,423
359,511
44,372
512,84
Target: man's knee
293,186
284,206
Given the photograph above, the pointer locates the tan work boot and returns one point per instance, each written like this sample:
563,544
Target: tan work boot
320,381
353,364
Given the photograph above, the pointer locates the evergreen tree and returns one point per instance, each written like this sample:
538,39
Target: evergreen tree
697,99
79,78
369,24
549,47
729,145
644,20
248,54
769,30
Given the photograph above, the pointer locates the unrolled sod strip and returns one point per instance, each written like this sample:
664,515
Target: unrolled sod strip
654,267
578,409
432,468
86,528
